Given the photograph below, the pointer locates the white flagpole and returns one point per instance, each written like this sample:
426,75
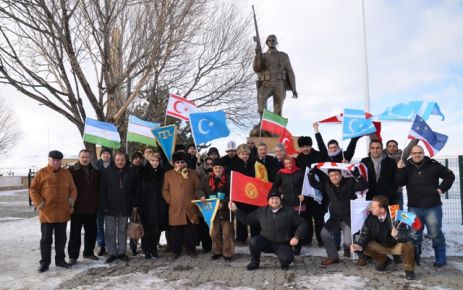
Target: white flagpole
351,233
365,55
231,191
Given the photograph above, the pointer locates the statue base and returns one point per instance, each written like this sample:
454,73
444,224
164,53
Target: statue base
271,142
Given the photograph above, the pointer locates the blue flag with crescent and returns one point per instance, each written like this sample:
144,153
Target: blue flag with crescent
355,124
166,137
209,210
207,126
407,111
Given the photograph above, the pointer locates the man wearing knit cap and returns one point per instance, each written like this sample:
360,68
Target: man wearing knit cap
277,224
53,193
102,163
181,186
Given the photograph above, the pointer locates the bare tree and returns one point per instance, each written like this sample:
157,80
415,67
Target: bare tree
9,130
96,57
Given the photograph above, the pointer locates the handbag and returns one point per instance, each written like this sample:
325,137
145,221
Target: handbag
134,228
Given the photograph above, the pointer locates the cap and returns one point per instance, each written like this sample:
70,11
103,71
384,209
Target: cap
55,154
273,193
231,146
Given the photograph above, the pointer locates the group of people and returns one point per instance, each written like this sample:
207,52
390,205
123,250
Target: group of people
101,199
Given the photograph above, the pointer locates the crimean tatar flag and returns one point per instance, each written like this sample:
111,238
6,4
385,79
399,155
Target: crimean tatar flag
249,190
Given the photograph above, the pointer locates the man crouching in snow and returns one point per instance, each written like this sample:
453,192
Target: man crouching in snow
277,236
379,238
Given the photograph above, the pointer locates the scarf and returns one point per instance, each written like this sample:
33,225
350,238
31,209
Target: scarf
293,169
219,185
336,153
377,165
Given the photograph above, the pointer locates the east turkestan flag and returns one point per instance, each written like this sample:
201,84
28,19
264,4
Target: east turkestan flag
101,133
208,126
354,124
140,131
273,123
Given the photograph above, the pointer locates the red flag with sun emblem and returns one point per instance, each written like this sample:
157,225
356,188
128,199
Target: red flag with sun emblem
249,190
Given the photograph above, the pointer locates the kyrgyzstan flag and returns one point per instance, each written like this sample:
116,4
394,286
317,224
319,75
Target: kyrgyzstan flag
249,190
286,139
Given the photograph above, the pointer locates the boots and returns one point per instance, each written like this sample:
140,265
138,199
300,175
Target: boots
441,257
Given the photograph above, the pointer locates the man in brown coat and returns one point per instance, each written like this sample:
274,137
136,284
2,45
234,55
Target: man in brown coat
53,193
181,186
86,178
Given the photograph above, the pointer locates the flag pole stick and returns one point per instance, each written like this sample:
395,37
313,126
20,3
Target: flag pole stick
300,205
231,192
351,233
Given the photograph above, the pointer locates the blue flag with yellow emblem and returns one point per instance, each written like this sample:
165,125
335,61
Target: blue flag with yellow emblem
209,210
166,137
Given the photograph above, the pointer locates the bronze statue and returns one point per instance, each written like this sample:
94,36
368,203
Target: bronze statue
275,75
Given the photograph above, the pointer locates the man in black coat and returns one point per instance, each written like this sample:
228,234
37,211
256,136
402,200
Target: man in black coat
117,185
277,225
340,191
421,175
334,153
381,173
379,238
87,180
315,212
270,162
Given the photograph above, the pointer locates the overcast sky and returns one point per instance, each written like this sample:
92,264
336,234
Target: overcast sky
414,53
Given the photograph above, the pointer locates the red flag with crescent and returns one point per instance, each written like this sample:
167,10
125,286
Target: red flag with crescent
286,139
180,108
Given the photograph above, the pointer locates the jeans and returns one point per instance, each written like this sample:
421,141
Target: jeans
115,234
432,219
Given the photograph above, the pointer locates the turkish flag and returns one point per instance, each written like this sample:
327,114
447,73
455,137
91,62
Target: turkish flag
249,190
378,130
286,139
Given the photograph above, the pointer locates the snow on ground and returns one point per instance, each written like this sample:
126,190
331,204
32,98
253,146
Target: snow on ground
12,192
20,253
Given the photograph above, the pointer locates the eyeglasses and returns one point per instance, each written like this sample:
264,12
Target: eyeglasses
250,143
180,162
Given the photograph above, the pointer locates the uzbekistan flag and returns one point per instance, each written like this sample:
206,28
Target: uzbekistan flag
273,123
102,133
140,131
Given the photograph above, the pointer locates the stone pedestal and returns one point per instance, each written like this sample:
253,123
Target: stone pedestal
271,142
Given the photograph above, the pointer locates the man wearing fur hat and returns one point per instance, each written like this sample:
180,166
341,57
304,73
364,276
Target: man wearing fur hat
277,235
53,193
181,186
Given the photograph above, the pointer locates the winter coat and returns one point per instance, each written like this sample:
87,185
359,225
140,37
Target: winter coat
422,182
116,190
279,227
339,196
272,166
290,186
230,163
246,168
348,154
148,197
380,232
206,191
178,194
53,194
88,186
386,183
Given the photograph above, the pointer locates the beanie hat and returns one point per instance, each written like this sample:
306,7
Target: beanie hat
273,193
104,149
218,162
304,141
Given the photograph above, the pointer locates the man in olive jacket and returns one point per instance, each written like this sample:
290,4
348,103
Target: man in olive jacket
87,180
53,193
277,223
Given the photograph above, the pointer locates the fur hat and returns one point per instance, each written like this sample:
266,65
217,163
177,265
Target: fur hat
179,156
218,162
304,141
213,150
179,147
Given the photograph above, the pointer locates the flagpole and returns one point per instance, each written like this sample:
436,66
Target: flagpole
351,233
365,54
231,191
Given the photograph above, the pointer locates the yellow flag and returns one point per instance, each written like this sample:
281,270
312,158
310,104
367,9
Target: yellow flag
261,171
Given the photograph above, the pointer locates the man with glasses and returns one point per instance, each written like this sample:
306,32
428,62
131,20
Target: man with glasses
181,186
421,174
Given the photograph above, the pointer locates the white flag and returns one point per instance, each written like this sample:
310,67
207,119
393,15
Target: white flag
308,190
359,210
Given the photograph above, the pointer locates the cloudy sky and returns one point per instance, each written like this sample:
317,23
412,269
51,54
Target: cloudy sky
414,53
